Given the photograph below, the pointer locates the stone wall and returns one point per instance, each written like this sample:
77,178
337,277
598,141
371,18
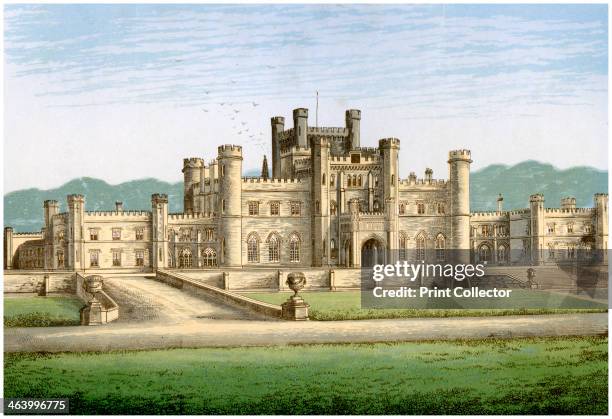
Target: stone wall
32,282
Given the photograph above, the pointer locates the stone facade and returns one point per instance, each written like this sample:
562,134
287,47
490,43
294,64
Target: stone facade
326,201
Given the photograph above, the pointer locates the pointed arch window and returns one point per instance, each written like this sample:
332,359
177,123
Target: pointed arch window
185,258
332,208
402,209
294,248
359,180
376,206
332,180
323,180
402,247
440,248
209,257
333,250
253,249
273,248
420,247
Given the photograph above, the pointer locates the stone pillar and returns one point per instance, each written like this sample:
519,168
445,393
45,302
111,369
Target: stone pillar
8,248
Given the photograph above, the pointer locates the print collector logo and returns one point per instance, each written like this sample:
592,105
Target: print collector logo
411,272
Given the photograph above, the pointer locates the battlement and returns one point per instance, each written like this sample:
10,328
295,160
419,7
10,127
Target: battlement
269,180
159,198
300,113
30,234
189,216
413,181
371,214
601,195
388,142
109,213
462,154
569,210
353,113
278,120
50,202
192,163
341,131
76,198
364,158
489,214
538,197
230,150
295,149
521,211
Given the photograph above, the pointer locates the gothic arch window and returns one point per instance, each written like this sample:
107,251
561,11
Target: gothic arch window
332,180
185,259
317,207
333,250
359,181
209,257
440,247
403,241
392,180
402,209
294,248
60,259
273,248
332,208
484,253
376,206
376,181
501,253
253,248
420,247
323,181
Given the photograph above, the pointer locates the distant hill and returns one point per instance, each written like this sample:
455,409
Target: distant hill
517,182
23,209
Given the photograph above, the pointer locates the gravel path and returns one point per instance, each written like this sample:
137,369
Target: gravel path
218,333
143,299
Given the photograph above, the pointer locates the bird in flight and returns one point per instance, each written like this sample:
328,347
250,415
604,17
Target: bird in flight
205,110
236,110
255,104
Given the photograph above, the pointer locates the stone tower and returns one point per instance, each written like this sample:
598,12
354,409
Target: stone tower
353,121
75,236
459,193
230,204
500,203
278,126
300,127
51,208
536,205
601,222
320,200
159,239
191,175
390,148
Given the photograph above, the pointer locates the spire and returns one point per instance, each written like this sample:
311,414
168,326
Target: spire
264,168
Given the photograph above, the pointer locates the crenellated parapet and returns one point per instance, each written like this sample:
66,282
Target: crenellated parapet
126,214
230,151
389,143
192,163
569,210
460,155
159,198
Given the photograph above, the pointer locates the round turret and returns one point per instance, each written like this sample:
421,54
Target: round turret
230,203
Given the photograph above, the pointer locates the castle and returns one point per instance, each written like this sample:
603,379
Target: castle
328,203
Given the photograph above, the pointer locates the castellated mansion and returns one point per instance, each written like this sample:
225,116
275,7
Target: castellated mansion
326,201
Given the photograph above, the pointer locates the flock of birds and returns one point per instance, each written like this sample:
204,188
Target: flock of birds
241,128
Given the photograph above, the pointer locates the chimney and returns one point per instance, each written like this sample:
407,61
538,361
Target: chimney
264,169
500,203
119,206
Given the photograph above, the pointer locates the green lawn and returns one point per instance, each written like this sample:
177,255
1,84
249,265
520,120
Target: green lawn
516,376
41,311
346,305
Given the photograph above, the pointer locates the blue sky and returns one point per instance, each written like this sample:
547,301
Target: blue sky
126,91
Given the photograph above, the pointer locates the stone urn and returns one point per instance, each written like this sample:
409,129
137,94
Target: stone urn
295,308
93,284
296,281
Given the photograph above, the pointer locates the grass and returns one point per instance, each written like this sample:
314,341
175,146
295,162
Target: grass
347,305
516,376
41,311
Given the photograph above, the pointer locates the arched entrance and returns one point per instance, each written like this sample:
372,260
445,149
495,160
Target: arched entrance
372,253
